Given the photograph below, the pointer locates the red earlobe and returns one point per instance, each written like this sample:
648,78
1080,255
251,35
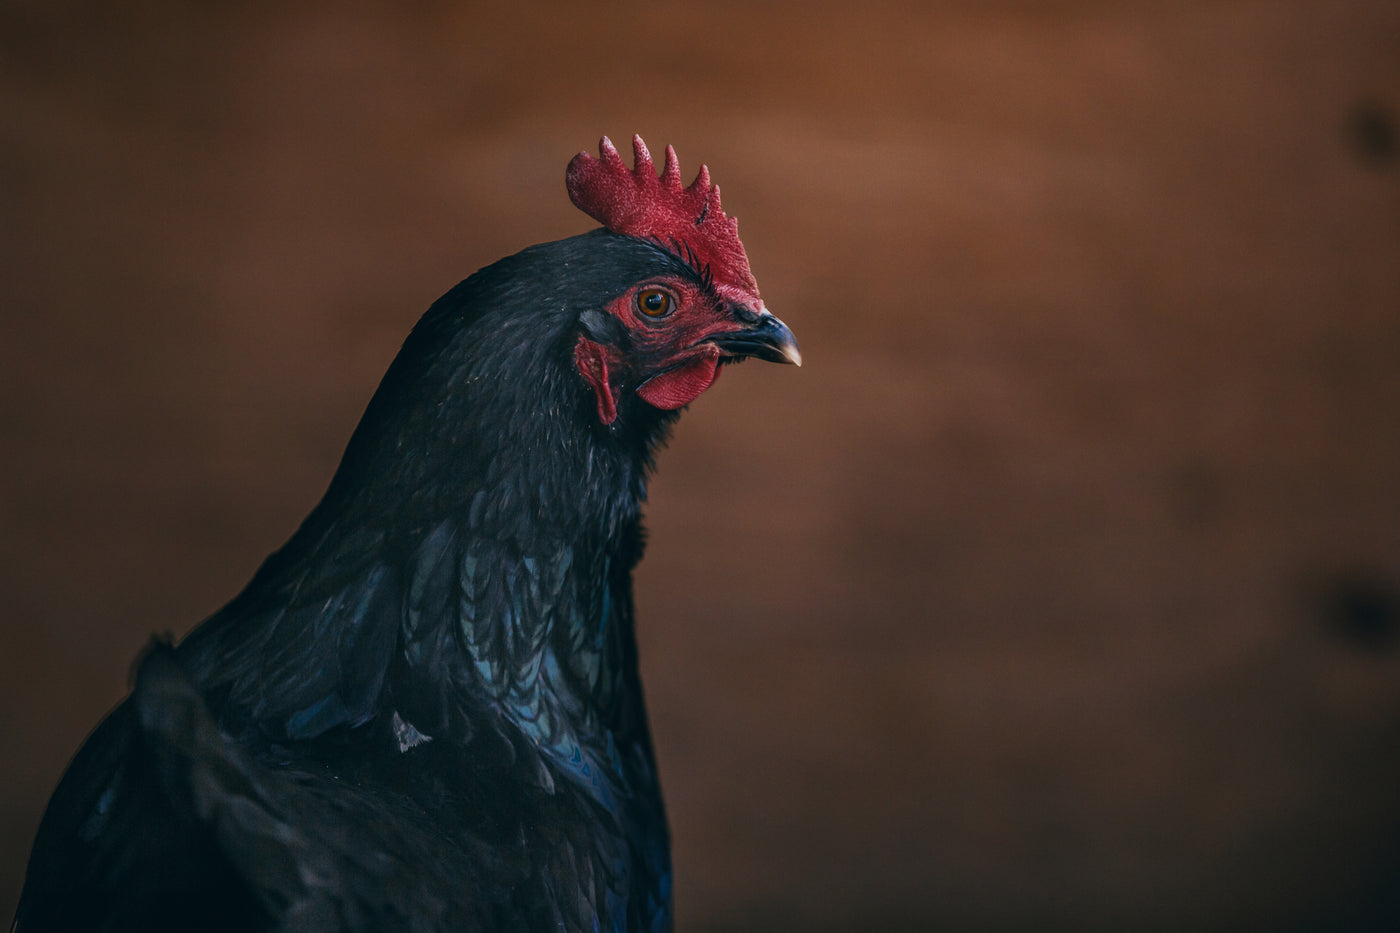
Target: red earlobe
592,363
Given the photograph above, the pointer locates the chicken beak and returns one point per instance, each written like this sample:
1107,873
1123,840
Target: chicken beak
768,339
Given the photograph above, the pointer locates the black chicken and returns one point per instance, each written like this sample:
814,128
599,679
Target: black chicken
424,711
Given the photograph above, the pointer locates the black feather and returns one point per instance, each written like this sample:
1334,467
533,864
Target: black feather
424,711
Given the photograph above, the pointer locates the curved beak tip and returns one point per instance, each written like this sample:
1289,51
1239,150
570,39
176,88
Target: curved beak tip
781,339
766,339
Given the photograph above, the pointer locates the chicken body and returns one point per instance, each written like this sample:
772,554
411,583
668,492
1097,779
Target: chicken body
424,711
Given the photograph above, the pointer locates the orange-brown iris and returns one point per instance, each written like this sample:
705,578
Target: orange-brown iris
655,302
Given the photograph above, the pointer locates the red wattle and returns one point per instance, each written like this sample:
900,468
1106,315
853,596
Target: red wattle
679,387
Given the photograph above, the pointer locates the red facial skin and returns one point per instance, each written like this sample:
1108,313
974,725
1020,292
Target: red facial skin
669,362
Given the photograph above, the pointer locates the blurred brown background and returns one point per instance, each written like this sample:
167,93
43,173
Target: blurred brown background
1059,590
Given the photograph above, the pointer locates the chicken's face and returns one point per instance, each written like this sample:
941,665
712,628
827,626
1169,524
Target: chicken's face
667,336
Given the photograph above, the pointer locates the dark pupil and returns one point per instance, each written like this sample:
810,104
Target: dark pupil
654,302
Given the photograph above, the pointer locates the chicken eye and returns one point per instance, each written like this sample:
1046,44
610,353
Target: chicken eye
654,302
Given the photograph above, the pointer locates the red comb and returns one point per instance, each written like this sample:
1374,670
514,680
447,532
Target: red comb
687,221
